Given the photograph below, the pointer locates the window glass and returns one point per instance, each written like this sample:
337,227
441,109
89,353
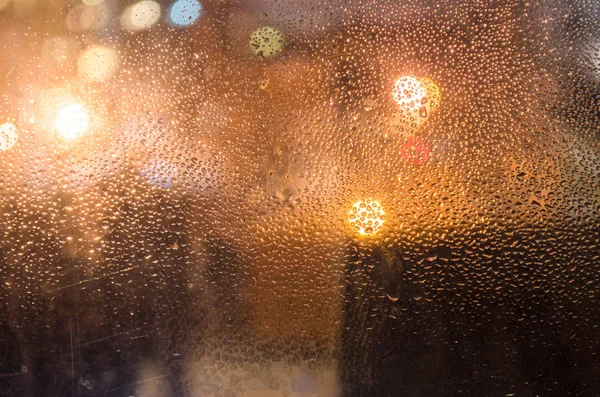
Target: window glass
262,198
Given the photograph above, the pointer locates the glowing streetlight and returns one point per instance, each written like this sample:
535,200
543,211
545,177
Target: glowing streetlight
366,217
71,121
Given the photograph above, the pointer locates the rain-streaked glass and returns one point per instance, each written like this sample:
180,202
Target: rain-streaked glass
299,198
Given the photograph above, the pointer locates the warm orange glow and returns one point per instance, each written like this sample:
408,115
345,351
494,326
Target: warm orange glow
72,120
366,217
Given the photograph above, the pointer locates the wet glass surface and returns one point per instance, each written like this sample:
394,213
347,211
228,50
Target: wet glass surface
263,198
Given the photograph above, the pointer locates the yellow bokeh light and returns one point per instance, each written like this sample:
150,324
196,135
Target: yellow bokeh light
97,63
8,136
72,120
366,217
417,98
267,41
434,95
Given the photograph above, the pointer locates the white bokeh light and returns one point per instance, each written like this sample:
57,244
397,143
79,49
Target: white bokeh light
72,121
8,136
408,92
140,16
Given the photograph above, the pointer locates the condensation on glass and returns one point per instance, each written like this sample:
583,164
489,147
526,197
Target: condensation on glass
262,198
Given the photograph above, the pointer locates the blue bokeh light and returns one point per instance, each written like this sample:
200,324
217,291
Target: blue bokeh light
185,12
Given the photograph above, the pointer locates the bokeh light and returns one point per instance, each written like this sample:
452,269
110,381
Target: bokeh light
433,93
267,41
366,217
408,93
97,63
72,120
140,16
8,136
417,98
185,12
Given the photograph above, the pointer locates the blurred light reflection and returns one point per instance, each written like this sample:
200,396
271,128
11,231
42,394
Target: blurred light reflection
72,120
417,98
185,12
97,63
8,136
140,16
267,41
366,217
